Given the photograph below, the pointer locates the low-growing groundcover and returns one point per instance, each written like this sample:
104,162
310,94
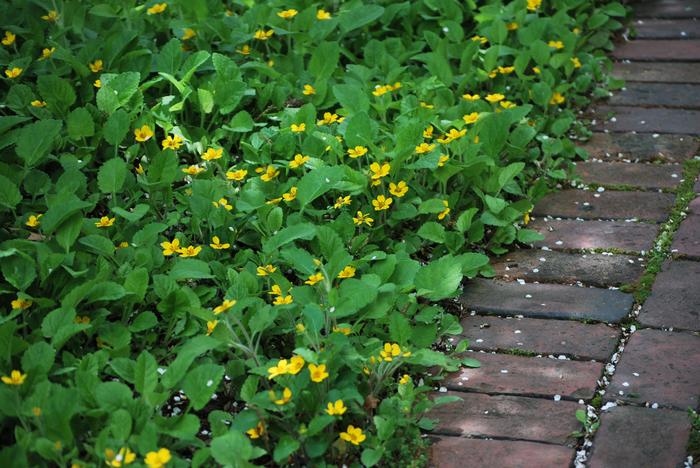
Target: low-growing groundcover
225,228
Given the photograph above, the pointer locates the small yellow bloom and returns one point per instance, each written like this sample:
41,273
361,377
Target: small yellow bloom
97,84
14,72
172,142
281,368
143,134
443,159
357,151
533,5
362,218
211,154
287,14
452,135
556,44
296,364
342,201
348,272
428,132
257,431
158,459
16,378
263,35
52,15
223,203
96,66
237,175
576,31
405,379
188,33
576,62
526,218
38,103
193,170
121,458
291,195
353,435
189,251
494,98
507,104
300,328
283,300
381,203
21,304
245,50
318,373
308,90
33,221
9,38
227,304
557,98
298,128
337,408
425,105
140,169
444,212
122,245
286,396
425,147
170,248
380,90
157,8
493,73
344,330
211,325
512,26
217,245
479,39
322,15
328,118
471,118
266,270
298,161
379,170
270,173
536,70
471,97
399,189
505,70
313,279
105,221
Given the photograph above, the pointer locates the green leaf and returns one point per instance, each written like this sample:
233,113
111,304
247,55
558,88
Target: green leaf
116,127
232,449
289,234
371,457
112,175
471,362
190,268
241,122
528,236
464,221
19,270
80,123
324,60
68,231
57,92
162,171
136,213
38,359
286,446
10,195
359,16
201,383
112,396
117,91
439,279
317,182
98,244
192,348
432,231
496,205
352,97
36,140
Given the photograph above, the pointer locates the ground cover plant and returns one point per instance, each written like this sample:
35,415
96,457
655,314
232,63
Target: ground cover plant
225,228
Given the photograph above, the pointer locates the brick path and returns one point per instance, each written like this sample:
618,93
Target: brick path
552,330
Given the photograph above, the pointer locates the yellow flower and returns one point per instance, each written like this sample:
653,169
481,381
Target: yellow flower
16,378
13,72
390,351
357,151
425,105
471,97
348,272
97,84
170,248
446,211
286,396
443,159
506,70
526,218
275,290
281,368
380,90
379,170
263,35
38,103
257,431
36,411
266,270
344,330
452,135
318,373
270,173
557,98
222,202
308,90
193,170
160,458
237,175
52,15
536,70
428,132
533,5
122,245
143,134
96,66
576,31
362,218
211,325
21,304
211,154
493,73
425,147
313,279
245,50
190,251
9,38
226,305
479,39
405,379
217,245
123,457
139,169
296,364
336,409
494,98
33,221
556,44
507,104
287,14
283,300
172,142
157,8
342,201
298,161
381,203
300,328
105,221
291,195
399,189
188,34
328,118
322,15
298,128
353,435
512,26
471,118
576,62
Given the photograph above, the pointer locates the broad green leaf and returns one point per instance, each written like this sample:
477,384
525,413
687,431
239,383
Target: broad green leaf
112,175
98,244
359,16
289,234
439,279
136,213
80,123
352,97
185,357
201,383
57,92
36,140
317,182
190,268
432,231
324,60
9,193
116,127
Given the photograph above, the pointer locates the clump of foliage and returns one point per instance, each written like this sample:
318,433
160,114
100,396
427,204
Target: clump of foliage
225,228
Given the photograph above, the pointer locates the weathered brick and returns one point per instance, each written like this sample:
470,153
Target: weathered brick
545,300
520,375
675,297
504,416
641,147
647,120
667,9
651,206
547,337
632,436
685,96
667,29
573,234
686,241
648,176
654,50
456,452
662,72
558,267
667,364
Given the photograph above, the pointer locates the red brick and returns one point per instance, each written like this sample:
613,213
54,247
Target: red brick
456,452
541,336
530,376
651,206
641,146
684,96
675,297
647,120
667,9
632,436
667,29
573,234
667,364
660,72
545,300
686,241
504,416
654,50
647,176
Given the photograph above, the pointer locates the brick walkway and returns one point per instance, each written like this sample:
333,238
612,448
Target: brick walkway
553,332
